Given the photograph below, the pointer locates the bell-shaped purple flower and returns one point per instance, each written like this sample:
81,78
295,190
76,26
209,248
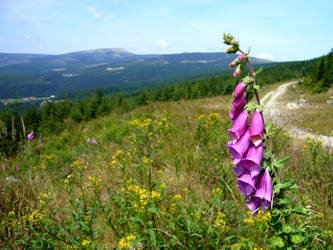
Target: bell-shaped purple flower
240,147
239,126
264,192
31,136
94,141
253,159
252,205
234,113
4,168
256,128
238,170
88,140
239,102
239,90
247,184
17,168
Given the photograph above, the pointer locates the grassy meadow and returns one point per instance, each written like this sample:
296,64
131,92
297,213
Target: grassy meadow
160,176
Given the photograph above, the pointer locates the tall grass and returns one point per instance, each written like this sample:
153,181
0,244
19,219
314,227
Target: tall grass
159,177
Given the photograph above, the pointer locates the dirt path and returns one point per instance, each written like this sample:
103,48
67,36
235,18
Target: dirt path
273,110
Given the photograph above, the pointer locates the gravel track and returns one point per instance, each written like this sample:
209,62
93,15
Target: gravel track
275,107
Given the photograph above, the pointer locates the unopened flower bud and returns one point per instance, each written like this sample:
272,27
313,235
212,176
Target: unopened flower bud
231,50
234,42
237,71
241,58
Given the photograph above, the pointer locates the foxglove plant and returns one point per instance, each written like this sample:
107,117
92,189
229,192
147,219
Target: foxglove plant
31,136
255,166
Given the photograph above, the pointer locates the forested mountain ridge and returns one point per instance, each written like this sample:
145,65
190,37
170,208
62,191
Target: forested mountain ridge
24,75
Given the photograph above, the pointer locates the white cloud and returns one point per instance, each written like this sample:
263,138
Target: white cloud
96,14
161,44
266,56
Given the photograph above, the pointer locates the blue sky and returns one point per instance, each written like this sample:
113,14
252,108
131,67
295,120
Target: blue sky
278,29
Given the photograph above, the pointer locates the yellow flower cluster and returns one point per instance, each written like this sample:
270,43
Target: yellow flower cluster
79,164
118,156
147,161
95,181
155,195
219,222
141,123
209,120
43,197
217,191
177,197
35,217
69,178
86,243
126,241
261,217
143,195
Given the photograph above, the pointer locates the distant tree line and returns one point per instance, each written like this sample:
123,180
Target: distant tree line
53,117
321,77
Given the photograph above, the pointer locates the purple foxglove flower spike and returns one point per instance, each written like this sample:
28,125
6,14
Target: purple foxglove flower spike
247,184
17,168
239,102
240,147
264,192
31,136
237,71
94,141
239,90
4,168
256,128
239,126
253,159
88,140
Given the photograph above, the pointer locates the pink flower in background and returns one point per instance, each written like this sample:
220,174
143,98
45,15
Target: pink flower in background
88,140
17,168
256,128
94,141
4,168
31,136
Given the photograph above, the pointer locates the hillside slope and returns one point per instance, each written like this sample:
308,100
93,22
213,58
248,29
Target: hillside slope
116,69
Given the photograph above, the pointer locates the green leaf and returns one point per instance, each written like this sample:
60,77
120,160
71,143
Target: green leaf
152,237
285,201
154,210
297,238
287,185
259,70
286,228
277,242
268,125
257,87
282,162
